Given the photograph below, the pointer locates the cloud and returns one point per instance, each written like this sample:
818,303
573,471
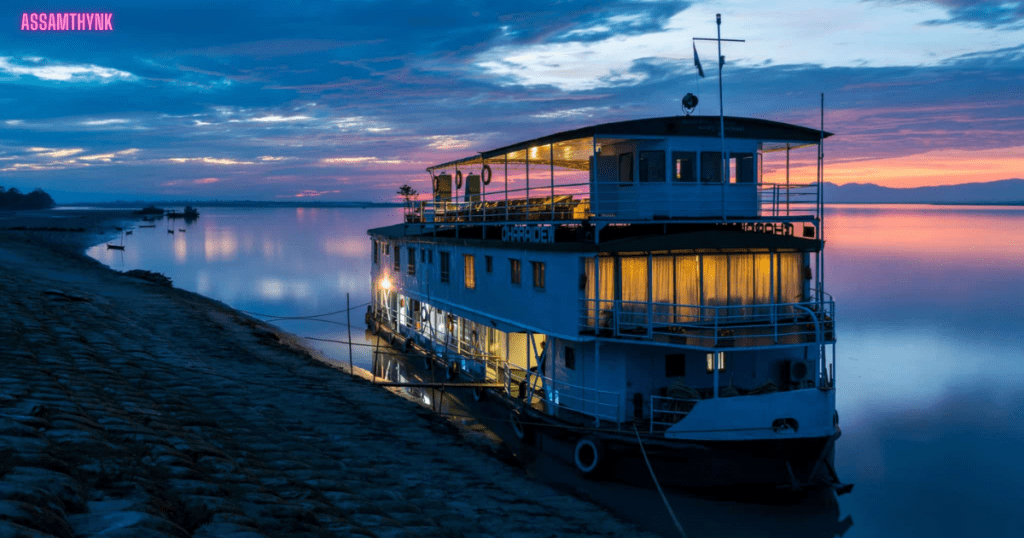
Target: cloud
53,71
279,119
208,160
180,182
56,153
112,121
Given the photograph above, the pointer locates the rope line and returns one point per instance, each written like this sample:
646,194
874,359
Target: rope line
342,311
655,478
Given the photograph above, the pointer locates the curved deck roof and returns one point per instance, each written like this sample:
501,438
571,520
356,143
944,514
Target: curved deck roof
683,126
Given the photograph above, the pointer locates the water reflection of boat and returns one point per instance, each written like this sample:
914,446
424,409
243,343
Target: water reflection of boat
654,291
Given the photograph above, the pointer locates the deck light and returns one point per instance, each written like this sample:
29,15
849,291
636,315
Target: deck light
385,283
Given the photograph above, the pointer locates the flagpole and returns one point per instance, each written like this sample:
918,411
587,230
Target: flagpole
721,111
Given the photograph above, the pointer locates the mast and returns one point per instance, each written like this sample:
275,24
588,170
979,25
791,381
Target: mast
721,110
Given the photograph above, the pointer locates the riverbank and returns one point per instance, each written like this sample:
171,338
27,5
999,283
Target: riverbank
129,408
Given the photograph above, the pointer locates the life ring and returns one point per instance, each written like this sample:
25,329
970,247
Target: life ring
424,315
522,432
458,179
589,456
485,174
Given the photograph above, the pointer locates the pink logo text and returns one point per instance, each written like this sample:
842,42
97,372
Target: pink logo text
36,22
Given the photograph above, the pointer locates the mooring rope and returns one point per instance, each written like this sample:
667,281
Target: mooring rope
656,484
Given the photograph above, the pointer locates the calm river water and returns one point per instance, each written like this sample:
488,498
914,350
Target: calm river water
930,367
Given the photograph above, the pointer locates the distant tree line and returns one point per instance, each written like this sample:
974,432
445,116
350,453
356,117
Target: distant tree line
13,199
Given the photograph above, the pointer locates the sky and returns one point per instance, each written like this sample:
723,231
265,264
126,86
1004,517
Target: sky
346,100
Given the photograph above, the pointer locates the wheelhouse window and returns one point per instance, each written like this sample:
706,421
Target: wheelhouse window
626,168
538,275
445,268
469,262
711,167
515,268
741,167
412,261
684,166
398,259
652,167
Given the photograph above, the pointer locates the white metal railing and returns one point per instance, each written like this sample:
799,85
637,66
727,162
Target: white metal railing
731,325
600,404
666,411
624,202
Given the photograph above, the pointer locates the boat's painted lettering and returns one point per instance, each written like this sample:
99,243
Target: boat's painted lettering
528,234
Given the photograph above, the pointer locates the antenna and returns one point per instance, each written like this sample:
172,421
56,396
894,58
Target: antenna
721,103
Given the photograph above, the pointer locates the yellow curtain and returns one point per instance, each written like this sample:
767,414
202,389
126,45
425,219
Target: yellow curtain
590,308
606,272
762,282
741,283
791,277
687,289
662,284
634,290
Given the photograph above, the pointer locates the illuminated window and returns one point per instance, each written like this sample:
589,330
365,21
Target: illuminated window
684,165
652,167
538,275
516,269
470,273
412,261
445,269
721,361
741,168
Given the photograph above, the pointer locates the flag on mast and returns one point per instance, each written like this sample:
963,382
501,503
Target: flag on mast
696,61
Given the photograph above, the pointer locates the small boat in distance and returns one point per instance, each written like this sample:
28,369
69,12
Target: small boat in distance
170,231
147,226
189,213
150,210
182,230
114,247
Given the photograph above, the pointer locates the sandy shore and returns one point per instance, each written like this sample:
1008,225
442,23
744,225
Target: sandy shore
128,408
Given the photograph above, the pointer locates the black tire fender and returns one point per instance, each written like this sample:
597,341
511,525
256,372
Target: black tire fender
589,456
485,174
521,430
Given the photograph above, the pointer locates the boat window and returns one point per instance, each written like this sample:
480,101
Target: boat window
376,253
412,261
711,167
684,166
489,263
570,358
741,167
652,167
430,255
387,248
423,255
721,361
445,269
626,168
469,263
398,259
516,269
538,275
675,365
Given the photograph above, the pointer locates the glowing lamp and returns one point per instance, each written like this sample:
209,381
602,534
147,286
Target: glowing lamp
385,284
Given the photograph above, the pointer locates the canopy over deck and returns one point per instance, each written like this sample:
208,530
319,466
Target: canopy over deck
572,149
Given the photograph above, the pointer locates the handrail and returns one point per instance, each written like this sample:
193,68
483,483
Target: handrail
554,392
679,407
708,325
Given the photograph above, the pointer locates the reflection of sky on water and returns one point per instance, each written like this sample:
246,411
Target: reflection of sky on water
285,262
931,342
930,369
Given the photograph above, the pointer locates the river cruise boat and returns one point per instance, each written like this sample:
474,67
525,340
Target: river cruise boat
627,285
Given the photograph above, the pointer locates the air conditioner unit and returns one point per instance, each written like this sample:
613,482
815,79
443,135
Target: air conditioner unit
799,370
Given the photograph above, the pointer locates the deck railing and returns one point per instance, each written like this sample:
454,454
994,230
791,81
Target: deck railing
589,401
666,411
656,202
754,325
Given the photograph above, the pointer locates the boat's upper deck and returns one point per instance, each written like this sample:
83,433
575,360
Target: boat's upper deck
669,169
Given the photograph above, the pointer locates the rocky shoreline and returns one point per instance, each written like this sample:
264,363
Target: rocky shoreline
128,408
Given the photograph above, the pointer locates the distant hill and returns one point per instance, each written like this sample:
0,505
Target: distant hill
237,203
1006,191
